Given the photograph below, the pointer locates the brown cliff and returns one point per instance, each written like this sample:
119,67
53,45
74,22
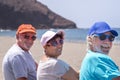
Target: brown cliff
15,12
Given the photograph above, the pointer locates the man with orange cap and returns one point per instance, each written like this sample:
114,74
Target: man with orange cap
18,63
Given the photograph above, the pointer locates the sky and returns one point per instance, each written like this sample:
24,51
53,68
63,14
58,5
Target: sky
84,13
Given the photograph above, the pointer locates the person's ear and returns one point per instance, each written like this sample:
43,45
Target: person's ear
17,36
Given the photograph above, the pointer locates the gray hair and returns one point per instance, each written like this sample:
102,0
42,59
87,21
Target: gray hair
89,42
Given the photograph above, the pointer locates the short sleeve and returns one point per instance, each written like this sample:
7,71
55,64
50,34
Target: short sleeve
106,69
18,66
60,68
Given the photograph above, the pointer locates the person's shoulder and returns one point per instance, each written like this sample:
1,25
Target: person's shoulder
52,61
92,54
62,65
92,57
14,51
14,48
101,58
57,61
61,61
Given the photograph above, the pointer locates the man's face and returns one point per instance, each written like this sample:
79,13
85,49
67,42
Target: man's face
103,42
26,40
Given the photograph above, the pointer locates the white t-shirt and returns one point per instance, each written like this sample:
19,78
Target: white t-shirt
52,69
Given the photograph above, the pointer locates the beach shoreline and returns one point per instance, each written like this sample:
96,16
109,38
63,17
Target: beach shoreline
73,52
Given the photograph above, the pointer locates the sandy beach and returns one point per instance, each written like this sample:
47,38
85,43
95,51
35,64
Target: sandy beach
73,53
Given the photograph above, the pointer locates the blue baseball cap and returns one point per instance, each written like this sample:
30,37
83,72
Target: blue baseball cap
101,27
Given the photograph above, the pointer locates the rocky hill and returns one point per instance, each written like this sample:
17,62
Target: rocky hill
15,12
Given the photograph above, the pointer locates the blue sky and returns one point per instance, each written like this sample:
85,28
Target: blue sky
86,12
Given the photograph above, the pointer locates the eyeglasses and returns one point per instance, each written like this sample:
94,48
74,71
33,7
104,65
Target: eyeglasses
29,37
55,43
104,37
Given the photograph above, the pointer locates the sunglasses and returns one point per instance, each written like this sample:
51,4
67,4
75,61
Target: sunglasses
104,37
55,43
30,37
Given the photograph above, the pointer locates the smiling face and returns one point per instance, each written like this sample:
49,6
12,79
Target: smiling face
26,40
102,46
53,47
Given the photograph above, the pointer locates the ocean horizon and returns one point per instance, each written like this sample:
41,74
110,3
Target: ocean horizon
71,35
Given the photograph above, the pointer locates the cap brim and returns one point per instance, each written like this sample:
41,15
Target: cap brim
114,32
57,33
24,31
61,33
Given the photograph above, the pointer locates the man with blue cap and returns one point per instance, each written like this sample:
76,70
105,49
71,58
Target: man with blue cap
97,65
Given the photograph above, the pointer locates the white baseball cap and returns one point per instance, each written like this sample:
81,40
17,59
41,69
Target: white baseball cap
49,35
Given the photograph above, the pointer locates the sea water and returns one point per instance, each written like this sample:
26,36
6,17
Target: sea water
72,35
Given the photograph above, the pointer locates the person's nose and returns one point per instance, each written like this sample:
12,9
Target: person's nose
59,44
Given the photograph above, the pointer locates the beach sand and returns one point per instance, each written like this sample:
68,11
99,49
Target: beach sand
73,53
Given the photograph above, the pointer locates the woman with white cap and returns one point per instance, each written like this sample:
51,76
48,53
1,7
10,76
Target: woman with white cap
51,68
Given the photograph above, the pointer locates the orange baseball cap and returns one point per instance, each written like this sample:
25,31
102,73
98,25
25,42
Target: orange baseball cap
26,28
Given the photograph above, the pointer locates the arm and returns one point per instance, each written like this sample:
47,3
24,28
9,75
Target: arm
71,74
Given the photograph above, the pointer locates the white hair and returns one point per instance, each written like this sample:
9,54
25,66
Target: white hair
89,42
